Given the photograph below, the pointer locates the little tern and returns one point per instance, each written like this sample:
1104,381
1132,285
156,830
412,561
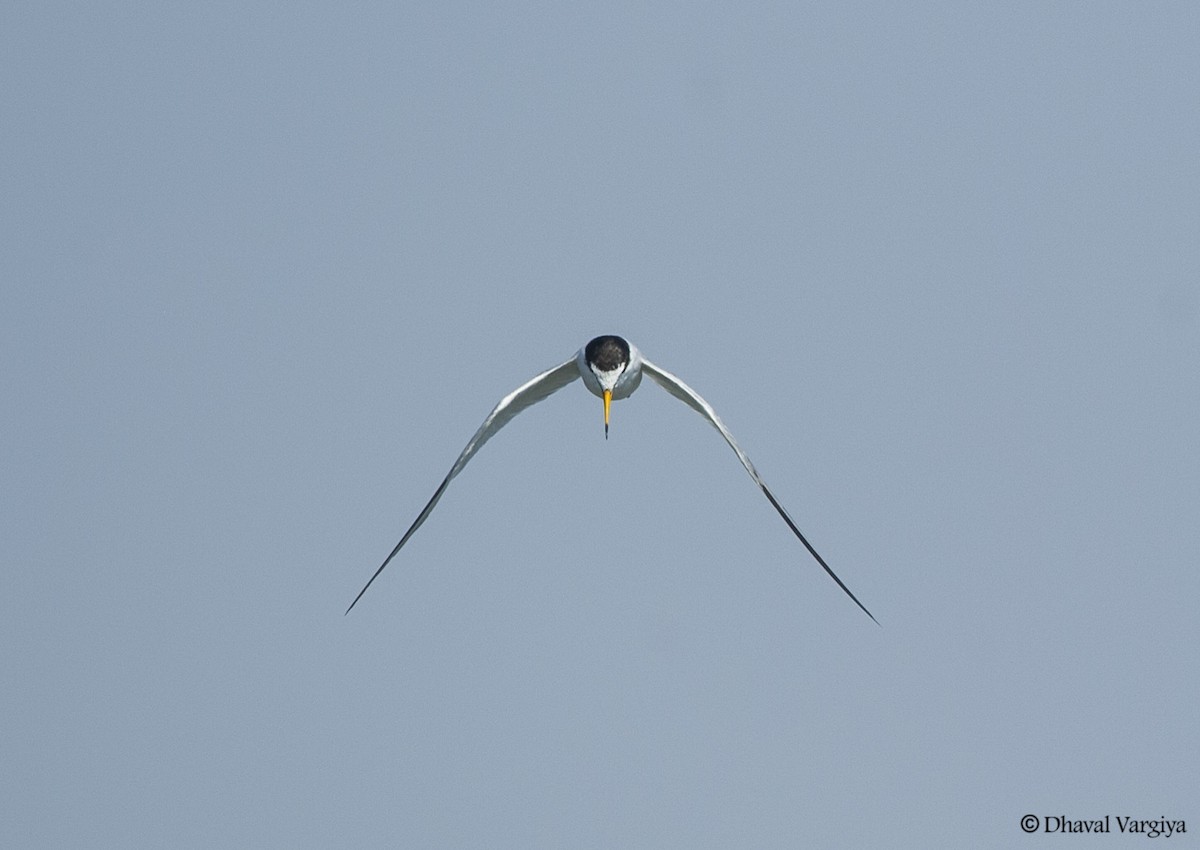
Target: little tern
611,368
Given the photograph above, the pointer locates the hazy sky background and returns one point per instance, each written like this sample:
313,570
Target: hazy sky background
265,269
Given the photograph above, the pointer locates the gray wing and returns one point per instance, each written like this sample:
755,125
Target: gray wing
526,395
693,400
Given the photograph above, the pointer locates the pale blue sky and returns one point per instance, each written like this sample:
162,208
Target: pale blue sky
266,268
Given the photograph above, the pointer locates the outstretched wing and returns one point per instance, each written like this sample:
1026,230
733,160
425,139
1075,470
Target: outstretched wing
693,400
524,396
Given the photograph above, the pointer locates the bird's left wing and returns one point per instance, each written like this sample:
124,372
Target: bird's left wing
526,395
692,399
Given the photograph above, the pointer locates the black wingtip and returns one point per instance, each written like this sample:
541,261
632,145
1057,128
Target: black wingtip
388,559
779,508
360,596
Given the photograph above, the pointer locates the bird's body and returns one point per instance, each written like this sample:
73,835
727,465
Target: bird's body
611,369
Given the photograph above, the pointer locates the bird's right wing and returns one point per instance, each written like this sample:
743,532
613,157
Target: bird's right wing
692,399
526,395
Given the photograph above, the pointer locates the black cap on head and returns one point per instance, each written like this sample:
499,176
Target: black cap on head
607,353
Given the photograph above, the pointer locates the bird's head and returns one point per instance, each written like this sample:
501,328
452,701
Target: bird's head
607,358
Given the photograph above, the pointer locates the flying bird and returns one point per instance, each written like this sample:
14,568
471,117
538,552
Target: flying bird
611,368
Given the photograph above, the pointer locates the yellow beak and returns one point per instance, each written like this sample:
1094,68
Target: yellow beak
607,402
